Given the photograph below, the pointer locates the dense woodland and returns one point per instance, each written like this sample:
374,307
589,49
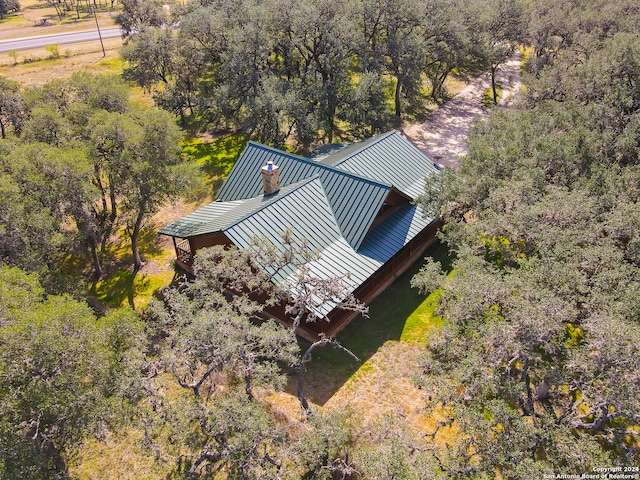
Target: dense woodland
314,70
8,6
536,366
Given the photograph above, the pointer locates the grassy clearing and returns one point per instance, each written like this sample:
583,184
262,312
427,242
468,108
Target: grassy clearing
11,19
399,314
125,288
216,157
121,287
422,320
119,456
34,67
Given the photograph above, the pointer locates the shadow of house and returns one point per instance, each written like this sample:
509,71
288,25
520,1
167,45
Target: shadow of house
354,206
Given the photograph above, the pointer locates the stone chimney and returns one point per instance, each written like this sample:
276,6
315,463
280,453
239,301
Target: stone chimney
270,178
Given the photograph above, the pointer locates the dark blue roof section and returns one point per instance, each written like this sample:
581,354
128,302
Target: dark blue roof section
394,232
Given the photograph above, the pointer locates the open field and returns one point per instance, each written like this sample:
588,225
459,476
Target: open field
35,66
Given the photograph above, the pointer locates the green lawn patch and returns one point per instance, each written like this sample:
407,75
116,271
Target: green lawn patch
125,288
121,287
11,18
487,96
216,157
525,53
422,320
400,313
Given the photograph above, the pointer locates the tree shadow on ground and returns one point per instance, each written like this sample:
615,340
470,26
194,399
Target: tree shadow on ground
119,287
149,242
216,157
330,368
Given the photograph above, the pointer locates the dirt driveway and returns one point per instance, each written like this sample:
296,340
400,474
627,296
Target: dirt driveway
443,136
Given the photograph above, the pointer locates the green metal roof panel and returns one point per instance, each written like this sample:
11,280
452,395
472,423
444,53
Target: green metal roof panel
245,179
354,200
391,159
338,154
338,258
355,203
187,226
217,215
316,225
384,241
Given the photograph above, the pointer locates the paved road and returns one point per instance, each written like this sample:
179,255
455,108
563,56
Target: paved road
443,136
60,38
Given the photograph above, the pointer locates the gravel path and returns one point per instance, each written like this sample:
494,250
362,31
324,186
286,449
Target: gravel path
443,136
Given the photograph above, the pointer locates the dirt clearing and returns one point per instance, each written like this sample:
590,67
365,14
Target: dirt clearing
443,136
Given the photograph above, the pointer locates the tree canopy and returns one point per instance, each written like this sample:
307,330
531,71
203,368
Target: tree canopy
539,355
82,162
315,71
64,374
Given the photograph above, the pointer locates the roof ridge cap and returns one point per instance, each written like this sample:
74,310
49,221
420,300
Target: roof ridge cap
322,166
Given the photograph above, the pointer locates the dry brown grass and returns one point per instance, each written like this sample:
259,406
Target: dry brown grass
119,456
382,386
35,68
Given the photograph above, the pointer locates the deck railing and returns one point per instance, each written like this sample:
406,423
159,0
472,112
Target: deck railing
183,251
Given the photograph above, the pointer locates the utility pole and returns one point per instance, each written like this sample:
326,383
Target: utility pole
104,54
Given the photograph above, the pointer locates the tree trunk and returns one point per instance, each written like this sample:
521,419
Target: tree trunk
494,68
112,216
438,82
397,99
528,405
135,233
2,125
248,386
98,272
59,10
48,448
305,358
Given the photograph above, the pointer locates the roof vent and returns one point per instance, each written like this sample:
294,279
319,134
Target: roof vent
270,178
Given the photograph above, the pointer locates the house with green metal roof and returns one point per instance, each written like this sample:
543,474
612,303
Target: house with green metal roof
354,206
